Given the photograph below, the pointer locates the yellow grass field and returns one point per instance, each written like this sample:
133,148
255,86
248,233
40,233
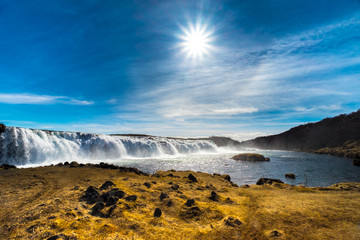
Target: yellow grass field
44,203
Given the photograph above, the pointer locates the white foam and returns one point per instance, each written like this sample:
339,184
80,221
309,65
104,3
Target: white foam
21,146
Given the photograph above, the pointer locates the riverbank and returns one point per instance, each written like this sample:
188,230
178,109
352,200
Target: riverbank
44,202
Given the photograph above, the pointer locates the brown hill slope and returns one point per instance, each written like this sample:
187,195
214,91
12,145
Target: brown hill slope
339,136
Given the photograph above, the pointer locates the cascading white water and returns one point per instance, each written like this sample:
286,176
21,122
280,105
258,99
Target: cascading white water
20,146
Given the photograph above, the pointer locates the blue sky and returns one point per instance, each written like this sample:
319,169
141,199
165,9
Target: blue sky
118,66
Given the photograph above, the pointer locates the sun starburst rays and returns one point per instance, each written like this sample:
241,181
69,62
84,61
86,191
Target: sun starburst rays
196,41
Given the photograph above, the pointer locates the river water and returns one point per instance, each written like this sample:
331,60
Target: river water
310,169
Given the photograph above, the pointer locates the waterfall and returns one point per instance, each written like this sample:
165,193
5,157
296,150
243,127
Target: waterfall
21,146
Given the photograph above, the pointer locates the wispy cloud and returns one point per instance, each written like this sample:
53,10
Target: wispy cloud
25,98
296,75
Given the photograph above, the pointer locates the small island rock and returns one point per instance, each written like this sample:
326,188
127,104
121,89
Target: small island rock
253,157
356,162
290,175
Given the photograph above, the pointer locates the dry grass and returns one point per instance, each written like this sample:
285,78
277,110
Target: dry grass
42,202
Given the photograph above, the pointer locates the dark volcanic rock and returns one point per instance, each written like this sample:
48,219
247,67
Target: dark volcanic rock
290,175
106,185
111,201
131,198
192,178
227,178
252,157
214,196
169,203
147,184
157,212
275,234
356,162
175,186
270,181
231,222
191,212
116,192
91,195
74,164
163,196
7,166
62,237
107,166
97,208
2,128
190,202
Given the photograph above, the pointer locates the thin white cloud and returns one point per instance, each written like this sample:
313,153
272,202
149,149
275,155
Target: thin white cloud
247,86
206,110
321,107
25,98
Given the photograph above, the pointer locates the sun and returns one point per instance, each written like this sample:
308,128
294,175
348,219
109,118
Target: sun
196,41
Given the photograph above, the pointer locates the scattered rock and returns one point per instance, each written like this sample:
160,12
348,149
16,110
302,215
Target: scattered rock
170,175
231,222
147,184
190,202
62,237
157,212
275,234
175,187
111,201
270,181
356,162
210,187
106,166
253,157
169,203
163,196
115,192
131,198
290,175
227,178
106,185
214,196
7,166
192,178
2,128
91,195
97,208
191,212
74,164
110,211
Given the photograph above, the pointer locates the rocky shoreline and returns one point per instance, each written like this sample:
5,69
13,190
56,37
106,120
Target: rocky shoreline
92,201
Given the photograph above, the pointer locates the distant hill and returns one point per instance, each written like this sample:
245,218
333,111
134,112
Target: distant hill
338,136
